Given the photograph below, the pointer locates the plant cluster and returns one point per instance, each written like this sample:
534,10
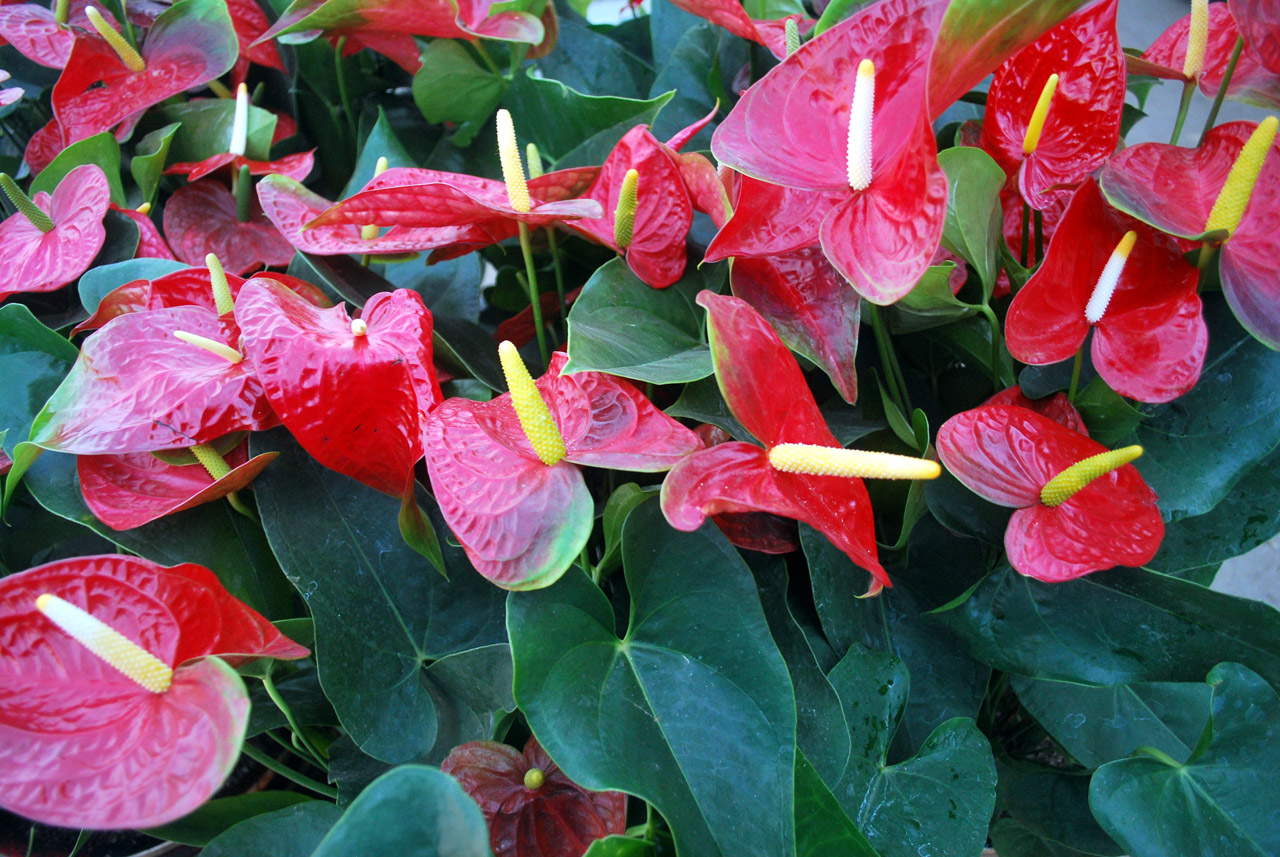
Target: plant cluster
711,579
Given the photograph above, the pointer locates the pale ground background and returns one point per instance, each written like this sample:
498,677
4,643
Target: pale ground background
1256,574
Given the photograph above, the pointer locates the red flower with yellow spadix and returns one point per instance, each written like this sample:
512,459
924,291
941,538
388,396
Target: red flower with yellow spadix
52,240
505,472
1081,507
846,118
1053,111
1226,193
119,704
801,472
1149,335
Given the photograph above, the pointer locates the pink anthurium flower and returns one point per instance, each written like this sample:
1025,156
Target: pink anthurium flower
531,807
1259,22
802,472
505,472
730,15
1252,82
116,706
354,393
1126,281
1053,111
34,31
163,379
104,85
129,490
52,240
200,219
1080,507
1232,183
188,287
808,124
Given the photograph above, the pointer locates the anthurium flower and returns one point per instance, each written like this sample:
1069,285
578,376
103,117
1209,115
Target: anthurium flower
1231,182
531,807
52,240
1252,82
1080,507
809,123
151,244
802,472
116,707
1259,23
770,219
163,379
730,15
296,166
756,531
1127,281
505,471
1053,110
354,393
200,219
250,24
129,490
188,287
1056,407
35,32
103,85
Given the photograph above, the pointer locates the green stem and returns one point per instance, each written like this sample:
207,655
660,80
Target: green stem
1075,375
485,57
1026,233
535,300
995,346
1187,89
1159,755
342,85
289,773
555,266
25,206
1039,219
1206,255
888,359
243,191
61,12
236,503
127,24
272,692
1222,88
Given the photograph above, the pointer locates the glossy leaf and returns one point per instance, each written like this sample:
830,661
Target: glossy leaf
1052,805
453,87
381,614
822,828
101,150
1221,801
972,227
200,219
204,129
33,360
36,261
622,326
291,832
218,814
696,685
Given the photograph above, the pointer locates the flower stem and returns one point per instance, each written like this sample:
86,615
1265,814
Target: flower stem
243,191
1187,89
889,360
1222,88
289,773
1039,219
995,346
1075,375
485,57
535,300
342,85
270,686
1026,234
1159,755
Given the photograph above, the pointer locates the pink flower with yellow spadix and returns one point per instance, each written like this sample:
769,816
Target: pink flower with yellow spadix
801,472
119,704
506,472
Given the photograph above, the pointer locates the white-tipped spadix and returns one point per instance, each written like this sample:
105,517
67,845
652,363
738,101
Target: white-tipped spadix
240,124
1109,278
119,651
860,114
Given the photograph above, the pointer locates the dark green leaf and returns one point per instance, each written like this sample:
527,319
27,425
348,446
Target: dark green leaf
381,612
298,685
1222,804
619,846
1053,805
220,814
472,693
453,87
449,288
822,827
1113,627
701,401
100,149
1109,417
961,511
466,347
973,228
616,509
595,64
33,362
1011,838
693,703
692,70
1097,725
622,326
149,157
410,810
382,142
205,129
291,832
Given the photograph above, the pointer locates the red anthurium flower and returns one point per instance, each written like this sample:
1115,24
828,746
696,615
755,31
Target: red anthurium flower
115,707
151,244
52,240
190,44
730,15
384,25
802,472
1259,22
531,807
505,471
1128,282
354,393
200,219
127,491
648,219
188,287
1232,183
1056,407
1252,81
1080,507
163,379
250,24
810,306
770,219
756,531
1053,112
808,124
296,166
